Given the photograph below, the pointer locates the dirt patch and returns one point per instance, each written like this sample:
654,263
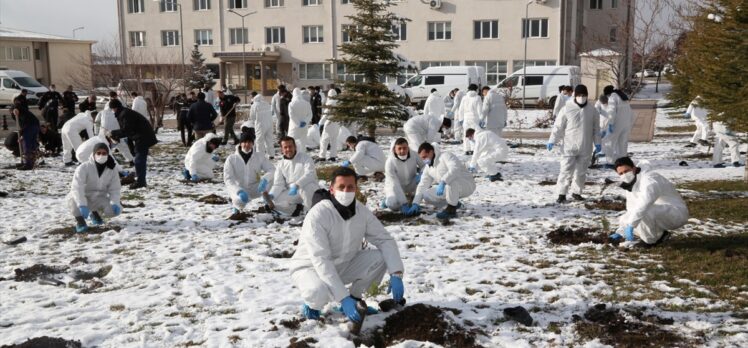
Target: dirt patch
127,180
387,217
240,216
3,194
133,205
212,199
46,342
606,204
291,324
567,235
612,327
296,342
101,273
79,259
34,272
283,254
68,232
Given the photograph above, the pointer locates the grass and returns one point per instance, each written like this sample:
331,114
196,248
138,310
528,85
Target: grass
715,185
722,209
678,129
325,173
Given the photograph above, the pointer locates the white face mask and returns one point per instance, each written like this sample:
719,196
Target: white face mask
628,177
345,198
427,161
402,158
580,100
101,159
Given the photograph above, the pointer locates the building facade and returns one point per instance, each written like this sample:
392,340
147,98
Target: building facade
292,41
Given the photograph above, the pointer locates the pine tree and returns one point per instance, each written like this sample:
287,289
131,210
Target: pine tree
367,101
199,74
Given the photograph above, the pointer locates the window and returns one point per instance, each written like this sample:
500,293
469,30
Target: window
15,53
533,80
315,71
167,6
440,31
137,39
237,3
37,54
596,4
613,34
169,38
346,32
135,6
425,65
537,27
486,29
434,80
311,2
204,37
344,75
201,5
273,3
312,33
238,36
495,70
613,3
517,64
345,2
400,30
275,35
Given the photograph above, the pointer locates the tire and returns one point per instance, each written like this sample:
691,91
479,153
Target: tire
421,105
552,102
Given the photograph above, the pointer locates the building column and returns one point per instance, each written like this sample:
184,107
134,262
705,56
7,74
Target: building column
263,86
222,73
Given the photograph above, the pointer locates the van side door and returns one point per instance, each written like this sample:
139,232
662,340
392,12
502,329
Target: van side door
533,84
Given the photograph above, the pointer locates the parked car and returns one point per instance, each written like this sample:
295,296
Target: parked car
13,81
444,79
541,83
646,73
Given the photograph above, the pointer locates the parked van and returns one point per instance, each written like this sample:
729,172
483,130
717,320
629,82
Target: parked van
13,81
444,79
542,83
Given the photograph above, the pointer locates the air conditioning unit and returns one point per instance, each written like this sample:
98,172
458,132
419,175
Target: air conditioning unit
270,48
435,4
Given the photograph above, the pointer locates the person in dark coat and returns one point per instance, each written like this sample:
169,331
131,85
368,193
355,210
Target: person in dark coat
29,125
136,128
316,104
11,143
69,101
20,101
181,108
50,104
51,140
201,115
284,118
89,104
228,103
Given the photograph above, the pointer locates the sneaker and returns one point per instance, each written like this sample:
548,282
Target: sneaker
561,199
332,159
445,215
719,165
495,177
691,145
96,219
136,186
309,313
577,197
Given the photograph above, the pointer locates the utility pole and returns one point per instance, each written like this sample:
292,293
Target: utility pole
244,48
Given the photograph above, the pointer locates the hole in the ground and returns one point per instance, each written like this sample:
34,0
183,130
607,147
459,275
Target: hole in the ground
612,327
212,199
46,342
567,235
34,272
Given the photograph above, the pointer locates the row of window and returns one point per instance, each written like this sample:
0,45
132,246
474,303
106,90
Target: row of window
138,6
15,53
598,4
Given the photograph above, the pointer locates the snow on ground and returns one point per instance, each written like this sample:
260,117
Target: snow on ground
181,274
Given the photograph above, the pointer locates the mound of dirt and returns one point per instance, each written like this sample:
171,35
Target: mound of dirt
613,328
101,273
240,216
34,272
133,205
46,342
212,199
283,254
127,180
606,204
395,218
567,235
292,324
295,342
68,232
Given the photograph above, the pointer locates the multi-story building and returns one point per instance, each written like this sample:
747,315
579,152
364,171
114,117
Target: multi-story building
293,41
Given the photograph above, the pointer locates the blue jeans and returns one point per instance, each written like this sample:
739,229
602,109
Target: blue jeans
141,161
30,144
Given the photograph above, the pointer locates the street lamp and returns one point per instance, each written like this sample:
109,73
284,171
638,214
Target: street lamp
244,48
526,28
76,29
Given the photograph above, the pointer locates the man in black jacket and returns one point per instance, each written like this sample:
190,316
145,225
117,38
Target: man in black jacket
89,104
29,126
20,101
50,104
181,108
135,127
202,115
284,118
316,104
228,105
69,101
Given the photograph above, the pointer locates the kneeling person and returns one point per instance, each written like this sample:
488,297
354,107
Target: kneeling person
243,169
401,176
451,177
368,158
95,189
295,180
489,149
200,160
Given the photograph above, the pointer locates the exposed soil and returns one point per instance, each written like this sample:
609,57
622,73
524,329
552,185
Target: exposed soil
46,342
68,232
567,235
292,324
552,182
240,216
127,180
101,273
34,272
212,199
79,259
295,342
135,205
395,218
3,194
284,254
606,204
612,327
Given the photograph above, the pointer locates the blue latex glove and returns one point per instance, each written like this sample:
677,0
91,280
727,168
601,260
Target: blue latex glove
404,209
440,188
472,169
125,173
610,128
482,124
84,211
549,146
598,148
293,190
349,308
629,232
243,196
418,177
346,164
215,158
186,174
414,209
302,124
396,287
263,186
116,209
450,114
195,178
615,237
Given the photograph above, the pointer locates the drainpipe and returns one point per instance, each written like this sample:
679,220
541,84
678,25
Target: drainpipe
333,37
122,43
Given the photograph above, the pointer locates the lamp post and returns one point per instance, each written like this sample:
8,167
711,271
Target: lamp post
526,28
76,29
244,47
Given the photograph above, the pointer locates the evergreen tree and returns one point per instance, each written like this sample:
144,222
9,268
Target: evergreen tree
199,74
367,101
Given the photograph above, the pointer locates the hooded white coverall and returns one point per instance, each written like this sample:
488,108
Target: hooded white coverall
561,100
489,149
494,111
198,160
86,150
400,178
299,170
260,116
313,137
275,108
435,105
98,193
330,255
604,111
70,134
725,137
653,206
140,105
621,117
698,114
238,175
108,122
368,158
457,128
470,113
331,131
579,129
421,129
299,110
448,168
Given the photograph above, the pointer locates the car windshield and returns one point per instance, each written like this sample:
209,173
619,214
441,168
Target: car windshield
415,81
27,82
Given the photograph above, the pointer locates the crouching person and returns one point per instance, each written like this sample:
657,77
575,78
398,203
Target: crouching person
200,159
368,158
401,177
330,254
489,148
295,180
653,205
246,173
95,189
452,180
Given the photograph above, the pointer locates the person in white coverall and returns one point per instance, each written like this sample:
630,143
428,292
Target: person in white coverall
424,129
139,104
86,150
200,159
469,114
451,178
247,173
261,119
564,93
300,114
653,205
457,129
494,113
578,127
108,122
95,189
699,114
434,105
489,149
620,122
295,180
71,137
368,158
725,137
275,107
402,173
330,130
330,254
602,107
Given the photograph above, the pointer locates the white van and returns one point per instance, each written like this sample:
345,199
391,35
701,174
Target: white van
444,79
13,81
542,83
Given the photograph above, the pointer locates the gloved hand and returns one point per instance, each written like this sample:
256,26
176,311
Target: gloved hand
195,178
186,174
116,209
243,196
396,287
615,237
349,308
215,158
263,186
629,233
414,209
482,124
346,164
472,169
125,173
440,188
549,146
293,190
598,148
84,211
302,124
610,128
603,134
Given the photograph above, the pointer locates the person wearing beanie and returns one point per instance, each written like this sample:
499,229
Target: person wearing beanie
200,159
95,189
247,173
138,130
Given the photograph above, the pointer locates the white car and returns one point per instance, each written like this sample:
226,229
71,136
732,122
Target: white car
646,73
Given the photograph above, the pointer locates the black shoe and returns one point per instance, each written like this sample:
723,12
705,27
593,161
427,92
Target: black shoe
577,197
561,199
691,145
299,209
495,177
719,165
704,143
469,153
736,164
332,159
135,186
271,157
131,164
69,164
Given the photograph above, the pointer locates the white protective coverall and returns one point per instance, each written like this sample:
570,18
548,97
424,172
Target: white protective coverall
470,113
312,136
449,101
368,158
331,131
448,168
299,170
494,111
70,134
140,105
653,206
621,117
698,114
400,178
299,111
561,100
421,129
457,128
86,149
198,160
330,254
489,149
108,122
98,193
434,105
275,108
579,129
260,116
725,138
238,175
